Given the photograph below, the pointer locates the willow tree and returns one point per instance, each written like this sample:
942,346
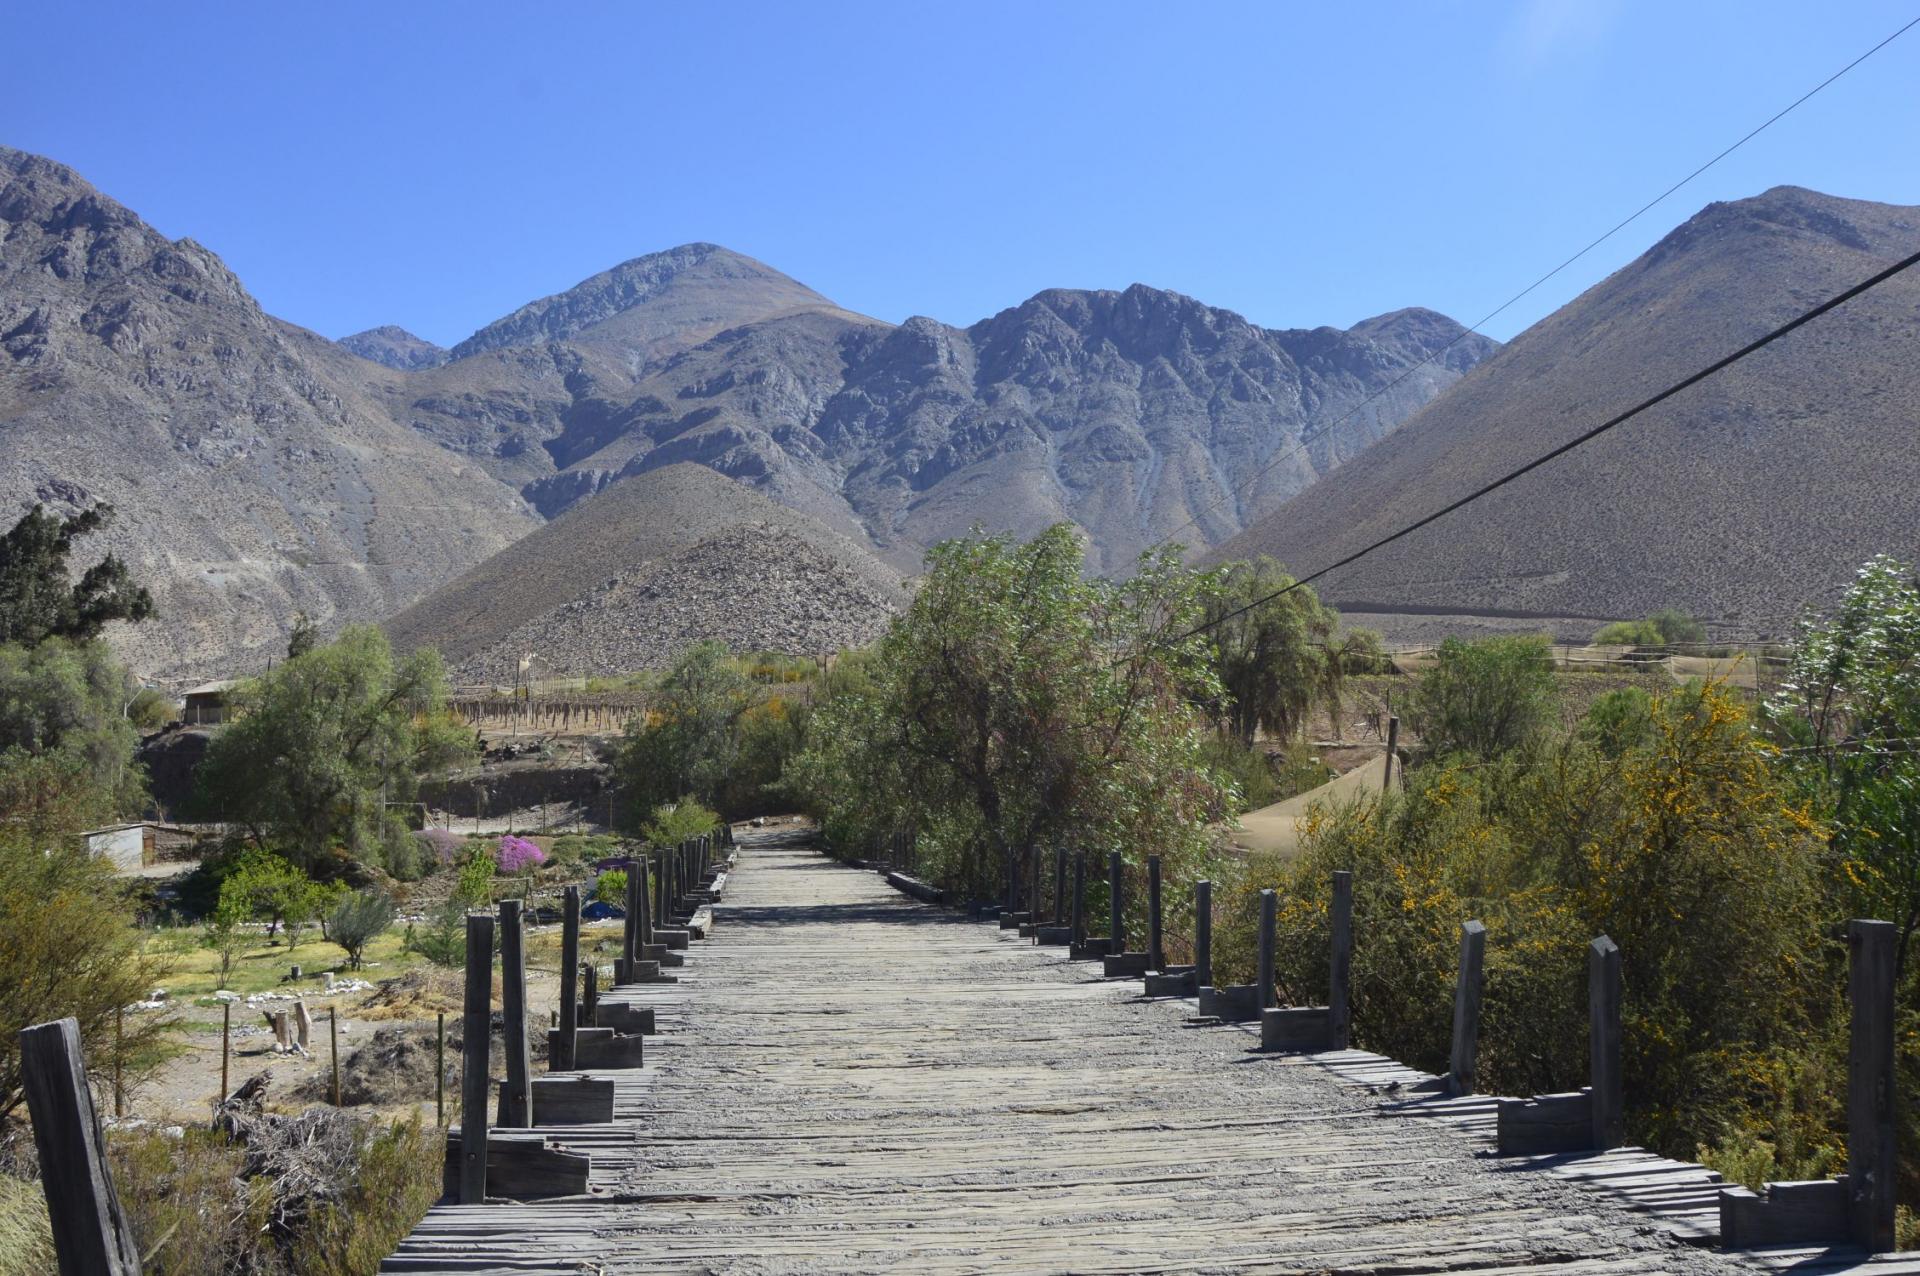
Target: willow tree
1270,650
1019,704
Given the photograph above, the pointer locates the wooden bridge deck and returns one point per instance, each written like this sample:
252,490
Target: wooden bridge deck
848,1081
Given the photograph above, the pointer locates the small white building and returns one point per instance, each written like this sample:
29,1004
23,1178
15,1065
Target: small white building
129,846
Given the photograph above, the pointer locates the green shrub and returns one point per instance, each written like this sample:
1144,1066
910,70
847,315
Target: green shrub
442,938
676,822
612,888
1486,698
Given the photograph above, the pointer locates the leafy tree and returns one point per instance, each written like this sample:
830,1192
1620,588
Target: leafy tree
1270,653
68,946
321,746
225,929
1019,704
69,699
473,885
275,890
442,940
150,709
1849,710
1628,633
1618,720
304,636
1664,628
357,921
1489,697
689,740
38,600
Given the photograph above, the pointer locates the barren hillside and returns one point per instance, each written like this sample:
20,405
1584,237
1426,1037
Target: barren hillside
1742,499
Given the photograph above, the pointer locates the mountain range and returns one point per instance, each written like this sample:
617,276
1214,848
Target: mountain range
588,476
261,470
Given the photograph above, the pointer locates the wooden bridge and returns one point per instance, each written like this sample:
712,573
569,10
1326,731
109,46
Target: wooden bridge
847,1080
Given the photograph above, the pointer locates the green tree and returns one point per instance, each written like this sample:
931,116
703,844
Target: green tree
38,598
68,946
1017,704
691,737
357,921
1849,710
676,822
67,699
322,745
1271,653
1489,697
225,929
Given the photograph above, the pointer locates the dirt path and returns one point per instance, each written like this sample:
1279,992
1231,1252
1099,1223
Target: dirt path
847,1081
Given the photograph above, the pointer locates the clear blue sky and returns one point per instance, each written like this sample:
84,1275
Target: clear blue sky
436,165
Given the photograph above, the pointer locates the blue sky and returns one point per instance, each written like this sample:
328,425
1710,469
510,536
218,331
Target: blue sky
436,165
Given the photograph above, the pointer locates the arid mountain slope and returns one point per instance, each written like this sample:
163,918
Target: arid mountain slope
611,550
252,476
1130,413
1742,499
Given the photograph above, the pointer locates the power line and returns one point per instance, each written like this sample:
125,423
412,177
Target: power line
1487,318
1805,317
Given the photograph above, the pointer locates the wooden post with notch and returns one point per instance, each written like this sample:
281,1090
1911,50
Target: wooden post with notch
1340,964
1461,1069
1870,1145
516,1101
1156,949
644,867
1116,907
475,1027
1269,926
560,1059
91,1235
1604,1043
1203,934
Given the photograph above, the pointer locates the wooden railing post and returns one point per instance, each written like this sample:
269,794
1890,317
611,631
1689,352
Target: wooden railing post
560,1058
475,1029
1393,753
1340,965
516,1101
1870,1149
1116,906
1059,886
589,995
1080,898
1156,954
1269,925
659,894
1603,1040
1461,1068
643,868
1013,882
91,1235
636,902
1203,934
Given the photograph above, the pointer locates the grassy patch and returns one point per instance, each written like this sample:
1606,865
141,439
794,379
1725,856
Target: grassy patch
195,972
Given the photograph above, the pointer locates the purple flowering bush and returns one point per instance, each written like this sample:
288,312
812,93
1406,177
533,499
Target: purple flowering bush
444,844
518,855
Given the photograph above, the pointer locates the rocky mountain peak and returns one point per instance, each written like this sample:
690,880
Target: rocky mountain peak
395,347
647,304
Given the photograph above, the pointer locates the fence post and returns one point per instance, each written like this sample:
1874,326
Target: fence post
91,1236
1269,923
1603,1039
1203,934
1461,1068
1870,1149
1156,956
516,1103
659,894
1080,898
1059,886
475,1025
560,1058
589,993
630,927
645,869
1013,882
1393,747
1340,964
1116,907
440,1073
